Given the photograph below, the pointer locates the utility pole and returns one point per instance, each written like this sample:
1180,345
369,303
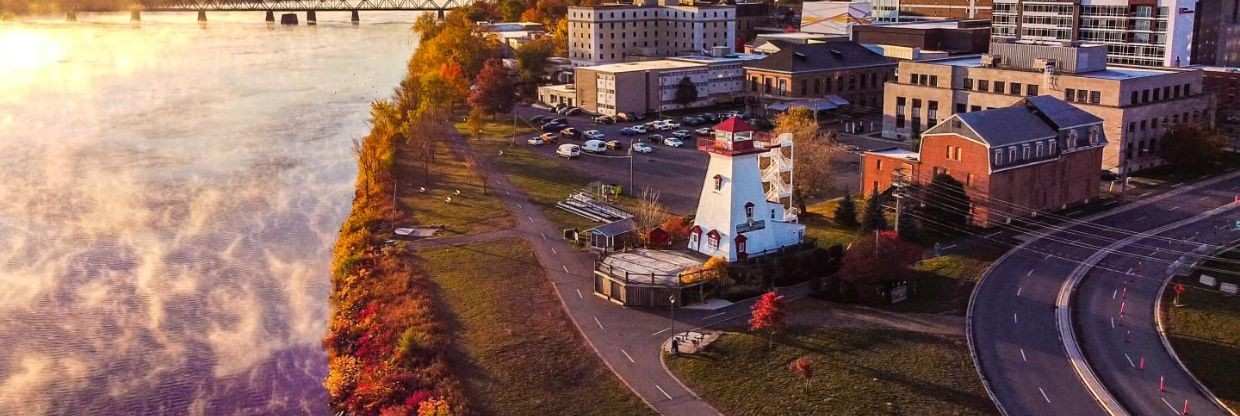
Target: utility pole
632,186
898,186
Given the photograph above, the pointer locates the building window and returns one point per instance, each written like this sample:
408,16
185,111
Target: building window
968,83
1069,94
998,157
1051,147
960,108
1014,88
718,182
1012,153
878,164
957,153
934,80
949,152
1024,152
900,105
1031,90
998,87
1133,100
1037,151
983,85
712,240
968,180
749,211
1095,97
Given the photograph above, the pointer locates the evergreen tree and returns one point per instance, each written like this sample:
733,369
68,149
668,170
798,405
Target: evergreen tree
910,229
686,92
873,217
947,205
846,212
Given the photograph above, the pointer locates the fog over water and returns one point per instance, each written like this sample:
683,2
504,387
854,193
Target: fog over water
169,194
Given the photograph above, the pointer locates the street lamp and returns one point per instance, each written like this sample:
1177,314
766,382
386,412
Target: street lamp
671,299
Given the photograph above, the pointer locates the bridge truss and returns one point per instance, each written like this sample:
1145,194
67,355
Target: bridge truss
300,5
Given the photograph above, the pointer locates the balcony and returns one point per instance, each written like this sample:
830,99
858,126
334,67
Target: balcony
729,148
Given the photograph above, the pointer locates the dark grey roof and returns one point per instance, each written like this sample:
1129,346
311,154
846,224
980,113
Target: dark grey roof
820,56
1007,125
615,228
1059,113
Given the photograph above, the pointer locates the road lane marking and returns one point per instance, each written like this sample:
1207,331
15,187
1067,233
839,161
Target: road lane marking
1022,355
600,323
1018,290
660,331
565,268
544,235
1114,293
668,396
1028,272
1129,270
1112,322
1174,208
1139,219
553,251
579,294
626,355
530,218
1169,406
1014,318
1044,396
712,316
518,205
1130,363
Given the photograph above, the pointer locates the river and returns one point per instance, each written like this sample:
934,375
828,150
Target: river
169,194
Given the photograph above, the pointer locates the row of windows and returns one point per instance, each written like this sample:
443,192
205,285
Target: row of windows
1082,96
1000,87
1167,92
821,85
646,13
923,79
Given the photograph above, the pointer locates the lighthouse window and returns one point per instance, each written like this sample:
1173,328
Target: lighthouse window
718,182
749,210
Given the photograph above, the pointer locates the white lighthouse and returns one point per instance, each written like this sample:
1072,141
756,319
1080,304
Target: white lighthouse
734,218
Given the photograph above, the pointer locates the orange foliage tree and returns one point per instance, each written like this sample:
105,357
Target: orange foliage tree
768,315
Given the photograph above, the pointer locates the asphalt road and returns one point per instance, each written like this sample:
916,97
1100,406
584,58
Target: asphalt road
1018,346
677,173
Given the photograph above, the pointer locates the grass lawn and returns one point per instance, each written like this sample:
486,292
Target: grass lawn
545,180
946,283
472,211
1205,332
820,224
857,371
517,352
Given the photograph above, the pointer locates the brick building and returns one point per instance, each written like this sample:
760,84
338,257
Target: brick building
1137,105
1037,155
835,67
951,36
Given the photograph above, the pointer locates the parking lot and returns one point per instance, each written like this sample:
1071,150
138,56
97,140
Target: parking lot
677,173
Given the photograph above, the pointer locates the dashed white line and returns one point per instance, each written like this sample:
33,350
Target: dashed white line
1169,406
1112,322
1114,293
1028,272
626,355
1174,208
1130,363
518,206
599,323
579,294
1022,355
565,268
1129,270
712,316
1014,318
1044,396
668,396
530,218
660,331
1018,290
544,235
553,251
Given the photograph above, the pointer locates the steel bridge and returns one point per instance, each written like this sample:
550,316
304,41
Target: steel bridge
273,6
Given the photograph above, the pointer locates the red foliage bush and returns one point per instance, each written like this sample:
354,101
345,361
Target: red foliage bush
890,260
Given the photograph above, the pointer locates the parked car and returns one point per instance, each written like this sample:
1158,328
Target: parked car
594,134
704,131
709,117
604,120
655,138
640,147
553,127
614,144
682,134
559,120
548,137
673,142
569,132
594,146
572,111
640,129
559,108
536,140
628,116
692,121
568,150
628,131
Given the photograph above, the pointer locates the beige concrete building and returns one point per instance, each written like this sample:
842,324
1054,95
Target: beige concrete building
650,86
621,32
1137,105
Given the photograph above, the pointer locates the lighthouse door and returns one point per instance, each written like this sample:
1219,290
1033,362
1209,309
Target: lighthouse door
740,247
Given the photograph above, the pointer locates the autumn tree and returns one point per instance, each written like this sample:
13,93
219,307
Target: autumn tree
803,367
650,210
812,154
492,89
768,315
873,218
845,214
1192,149
511,10
532,60
686,92
475,122
874,258
453,82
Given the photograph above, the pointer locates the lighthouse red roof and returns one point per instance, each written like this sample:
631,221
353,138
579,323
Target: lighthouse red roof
733,125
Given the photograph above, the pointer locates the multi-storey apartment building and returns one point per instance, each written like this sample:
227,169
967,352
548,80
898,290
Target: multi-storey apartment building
1039,154
1135,32
650,86
1216,33
622,32
1137,105
835,67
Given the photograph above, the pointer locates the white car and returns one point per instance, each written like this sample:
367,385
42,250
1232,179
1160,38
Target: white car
683,134
704,131
673,142
671,124
568,150
640,147
639,129
537,141
594,134
595,146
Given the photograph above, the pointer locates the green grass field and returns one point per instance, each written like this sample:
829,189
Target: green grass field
1205,332
820,224
472,211
516,350
856,372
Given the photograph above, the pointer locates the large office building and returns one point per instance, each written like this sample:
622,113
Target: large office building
1135,32
650,86
950,36
625,32
817,70
1216,33
891,11
1137,105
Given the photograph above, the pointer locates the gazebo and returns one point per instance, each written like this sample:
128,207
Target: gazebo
614,236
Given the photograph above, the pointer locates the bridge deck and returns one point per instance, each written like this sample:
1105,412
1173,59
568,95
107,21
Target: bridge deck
298,5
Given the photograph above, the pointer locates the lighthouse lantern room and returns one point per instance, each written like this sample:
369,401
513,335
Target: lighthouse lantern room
734,218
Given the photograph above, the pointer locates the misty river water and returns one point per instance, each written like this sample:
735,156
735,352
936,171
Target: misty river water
169,194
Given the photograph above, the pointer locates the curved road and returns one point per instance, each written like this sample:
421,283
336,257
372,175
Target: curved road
1012,321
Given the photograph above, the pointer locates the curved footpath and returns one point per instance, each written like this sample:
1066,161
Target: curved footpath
1013,327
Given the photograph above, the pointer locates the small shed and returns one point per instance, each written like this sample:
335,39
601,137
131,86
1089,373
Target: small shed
614,236
659,238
